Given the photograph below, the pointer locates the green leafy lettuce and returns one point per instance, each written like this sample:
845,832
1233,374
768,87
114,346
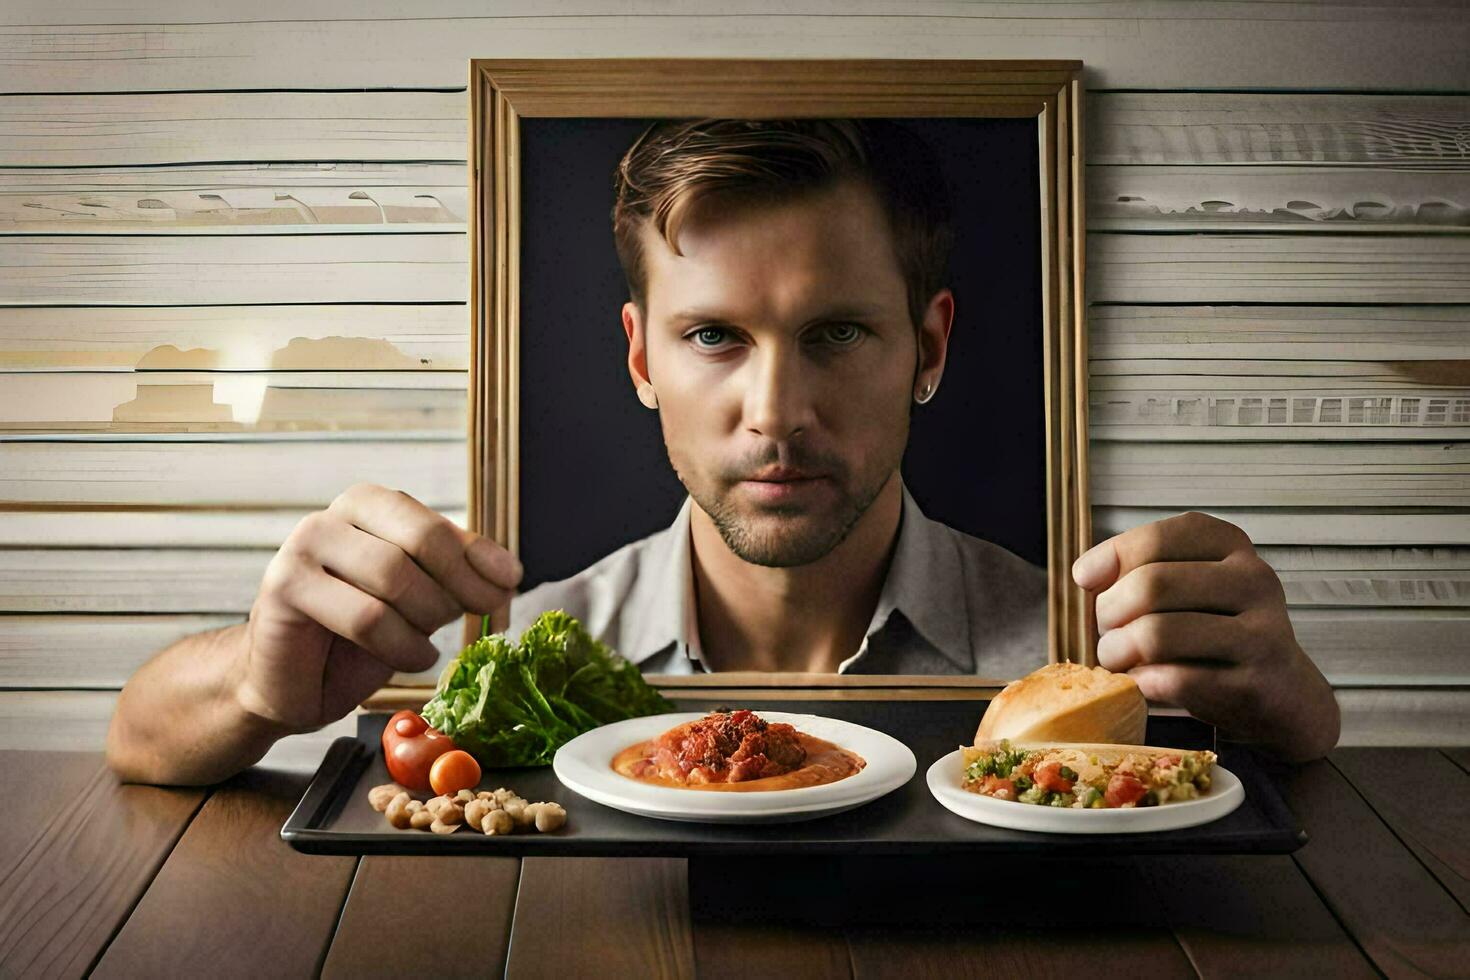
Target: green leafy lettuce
515,704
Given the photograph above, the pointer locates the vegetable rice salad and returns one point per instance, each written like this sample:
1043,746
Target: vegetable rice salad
1086,777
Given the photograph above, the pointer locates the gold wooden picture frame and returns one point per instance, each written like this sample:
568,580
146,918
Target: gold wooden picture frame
504,91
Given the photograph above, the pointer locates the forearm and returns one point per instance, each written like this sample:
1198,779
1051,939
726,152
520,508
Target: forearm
179,721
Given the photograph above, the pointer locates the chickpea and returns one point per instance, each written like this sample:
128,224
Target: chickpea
516,807
474,812
437,803
484,794
440,827
502,794
451,813
547,816
421,819
380,796
497,822
464,796
397,811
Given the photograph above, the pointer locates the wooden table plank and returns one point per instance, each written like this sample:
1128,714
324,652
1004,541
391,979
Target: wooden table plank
767,918
1251,915
1433,820
1396,911
380,934
958,916
50,781
612,917
89,847
1459,755
233,898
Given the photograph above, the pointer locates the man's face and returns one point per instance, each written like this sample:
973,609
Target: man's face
782,352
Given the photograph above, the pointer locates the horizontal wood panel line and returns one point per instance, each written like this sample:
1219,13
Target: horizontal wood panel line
233,270
155,529
1302,198
1276,268
97,650
1320,526
1217,128
194,405
241,200
29,170
255,475
1127,45
216,129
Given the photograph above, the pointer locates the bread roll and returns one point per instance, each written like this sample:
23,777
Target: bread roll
1067,703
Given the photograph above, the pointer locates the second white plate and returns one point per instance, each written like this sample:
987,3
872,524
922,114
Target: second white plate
1225,794
584,765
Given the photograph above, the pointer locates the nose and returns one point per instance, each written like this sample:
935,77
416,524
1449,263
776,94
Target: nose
779,399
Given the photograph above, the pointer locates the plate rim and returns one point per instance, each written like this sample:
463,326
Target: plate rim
936,778
794,804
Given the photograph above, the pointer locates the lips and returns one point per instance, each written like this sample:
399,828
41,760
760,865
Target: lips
783,474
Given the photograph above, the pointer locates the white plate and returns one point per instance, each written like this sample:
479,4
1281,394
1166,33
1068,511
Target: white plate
584,765
1225,794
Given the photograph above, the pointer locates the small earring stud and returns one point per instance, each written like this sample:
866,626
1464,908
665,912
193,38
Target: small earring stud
647,395
925,393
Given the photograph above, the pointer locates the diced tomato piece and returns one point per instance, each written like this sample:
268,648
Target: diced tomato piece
1123,788
1001,789
1049,777
1165,761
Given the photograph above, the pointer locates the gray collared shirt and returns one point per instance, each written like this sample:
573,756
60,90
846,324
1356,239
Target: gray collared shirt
951,604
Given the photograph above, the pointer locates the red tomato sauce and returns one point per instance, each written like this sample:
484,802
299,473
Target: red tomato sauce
739,752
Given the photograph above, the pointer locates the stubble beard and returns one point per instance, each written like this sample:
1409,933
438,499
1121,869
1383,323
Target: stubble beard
779,536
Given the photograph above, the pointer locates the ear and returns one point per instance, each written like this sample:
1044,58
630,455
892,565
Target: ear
637,346
934,338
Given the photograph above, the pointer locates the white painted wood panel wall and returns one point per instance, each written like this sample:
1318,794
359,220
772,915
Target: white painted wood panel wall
233,276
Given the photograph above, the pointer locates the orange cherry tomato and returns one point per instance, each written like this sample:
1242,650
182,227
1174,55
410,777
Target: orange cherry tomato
454,771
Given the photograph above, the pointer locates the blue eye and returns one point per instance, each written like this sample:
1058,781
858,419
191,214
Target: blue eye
709,337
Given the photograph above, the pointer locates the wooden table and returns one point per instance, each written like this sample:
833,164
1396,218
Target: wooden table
135,881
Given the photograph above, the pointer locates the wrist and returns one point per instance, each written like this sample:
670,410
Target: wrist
252,712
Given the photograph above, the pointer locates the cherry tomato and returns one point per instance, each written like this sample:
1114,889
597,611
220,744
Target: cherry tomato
1123,788
410,747
1049,777
454,771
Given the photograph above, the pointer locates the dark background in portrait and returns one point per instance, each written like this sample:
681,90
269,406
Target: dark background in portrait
593,472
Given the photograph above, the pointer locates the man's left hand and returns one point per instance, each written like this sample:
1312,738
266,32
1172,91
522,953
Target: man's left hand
1189,610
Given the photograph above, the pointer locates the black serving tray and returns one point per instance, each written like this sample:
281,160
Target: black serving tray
334,816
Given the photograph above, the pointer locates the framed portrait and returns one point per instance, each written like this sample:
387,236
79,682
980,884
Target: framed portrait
567,467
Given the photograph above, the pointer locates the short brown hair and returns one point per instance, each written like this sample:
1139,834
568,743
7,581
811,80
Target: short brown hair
676,163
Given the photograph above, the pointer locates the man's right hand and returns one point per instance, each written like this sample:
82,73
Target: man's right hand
353,595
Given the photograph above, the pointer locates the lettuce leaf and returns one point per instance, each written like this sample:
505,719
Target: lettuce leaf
514,704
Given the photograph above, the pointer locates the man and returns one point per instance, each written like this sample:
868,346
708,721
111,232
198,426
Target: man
787,309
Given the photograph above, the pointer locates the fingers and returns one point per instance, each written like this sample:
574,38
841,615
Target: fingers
352,614
1164,638
478,573
1227,587
351,674
1211,692
383,571
1184,537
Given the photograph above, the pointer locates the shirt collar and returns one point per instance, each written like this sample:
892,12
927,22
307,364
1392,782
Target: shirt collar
925,583
663,595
